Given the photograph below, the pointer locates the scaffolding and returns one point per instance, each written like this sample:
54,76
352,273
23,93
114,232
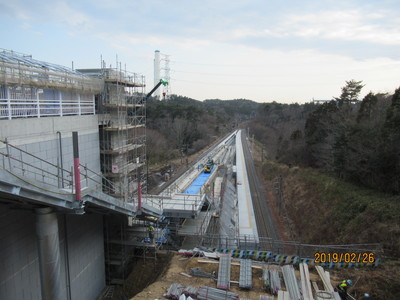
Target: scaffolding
33,88
122,128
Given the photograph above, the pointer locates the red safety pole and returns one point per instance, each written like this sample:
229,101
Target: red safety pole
77,173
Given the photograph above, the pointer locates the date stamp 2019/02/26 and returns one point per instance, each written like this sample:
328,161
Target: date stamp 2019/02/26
346,257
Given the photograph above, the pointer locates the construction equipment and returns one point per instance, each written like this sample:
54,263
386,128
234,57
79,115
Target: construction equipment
162,82
209,165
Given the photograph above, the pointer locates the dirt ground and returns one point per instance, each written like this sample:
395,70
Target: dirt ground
183,264
180,264
151,281
381,282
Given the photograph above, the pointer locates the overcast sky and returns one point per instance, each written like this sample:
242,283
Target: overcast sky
284,51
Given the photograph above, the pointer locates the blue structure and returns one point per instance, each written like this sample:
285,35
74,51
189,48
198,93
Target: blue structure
196,185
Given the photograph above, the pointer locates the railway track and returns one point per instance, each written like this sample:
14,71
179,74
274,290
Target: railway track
265,223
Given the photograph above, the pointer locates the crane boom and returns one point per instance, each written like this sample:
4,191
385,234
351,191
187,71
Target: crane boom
162,82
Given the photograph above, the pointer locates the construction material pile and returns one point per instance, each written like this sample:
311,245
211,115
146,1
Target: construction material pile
209,293
291,282
200,273
177,291
174,291
224,272
272,280
245,280
190,291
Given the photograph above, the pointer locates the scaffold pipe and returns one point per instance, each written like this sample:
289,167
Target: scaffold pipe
77,173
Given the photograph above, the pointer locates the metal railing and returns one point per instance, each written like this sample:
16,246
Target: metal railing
31,167
27,108
248,242
34,170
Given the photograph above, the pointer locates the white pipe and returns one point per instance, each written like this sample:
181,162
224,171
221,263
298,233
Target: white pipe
49,253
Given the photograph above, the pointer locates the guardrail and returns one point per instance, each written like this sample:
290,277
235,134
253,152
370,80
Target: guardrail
37,170
28,108
248,242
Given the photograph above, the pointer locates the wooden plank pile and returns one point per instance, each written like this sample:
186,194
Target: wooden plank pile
283,295
305,282
291,282
328,288
272,280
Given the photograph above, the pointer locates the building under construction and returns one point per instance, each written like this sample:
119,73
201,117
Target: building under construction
122,125
72,146
72,158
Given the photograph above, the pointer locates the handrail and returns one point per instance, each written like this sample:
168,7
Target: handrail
248,242
22,108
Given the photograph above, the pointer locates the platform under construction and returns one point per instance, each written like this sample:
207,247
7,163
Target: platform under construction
187,195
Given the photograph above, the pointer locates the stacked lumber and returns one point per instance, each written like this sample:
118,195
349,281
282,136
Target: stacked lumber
283,295
291,282
272,280
328,288
305,282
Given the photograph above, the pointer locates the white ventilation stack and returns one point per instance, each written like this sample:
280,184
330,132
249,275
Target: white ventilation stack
157,78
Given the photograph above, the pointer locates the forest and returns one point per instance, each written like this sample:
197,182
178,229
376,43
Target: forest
357,140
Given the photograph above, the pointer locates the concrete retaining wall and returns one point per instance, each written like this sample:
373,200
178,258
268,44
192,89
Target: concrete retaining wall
40,137
83,268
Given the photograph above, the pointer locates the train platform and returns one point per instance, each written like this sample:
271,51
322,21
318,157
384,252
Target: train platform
247,222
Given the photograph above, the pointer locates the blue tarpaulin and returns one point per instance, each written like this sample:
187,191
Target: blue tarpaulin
196,185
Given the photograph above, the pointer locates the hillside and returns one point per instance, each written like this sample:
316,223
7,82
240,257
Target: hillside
327,210
181,126
358,142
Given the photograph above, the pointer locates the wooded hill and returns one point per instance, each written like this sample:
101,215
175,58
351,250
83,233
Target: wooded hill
180,126
358,141
340,160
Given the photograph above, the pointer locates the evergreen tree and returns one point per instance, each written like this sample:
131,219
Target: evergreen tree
350,92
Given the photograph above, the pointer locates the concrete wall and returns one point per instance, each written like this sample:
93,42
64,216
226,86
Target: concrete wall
19,268
86,255
19,275
40,138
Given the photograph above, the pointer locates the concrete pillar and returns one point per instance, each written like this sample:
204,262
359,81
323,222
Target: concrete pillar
49,253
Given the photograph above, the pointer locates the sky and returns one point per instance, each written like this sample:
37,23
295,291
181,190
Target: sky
262,50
